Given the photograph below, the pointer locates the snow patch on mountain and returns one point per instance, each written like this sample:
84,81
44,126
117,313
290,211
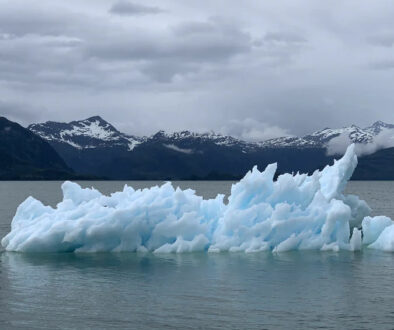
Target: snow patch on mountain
218,139
133,143
287,141
75,145
93,129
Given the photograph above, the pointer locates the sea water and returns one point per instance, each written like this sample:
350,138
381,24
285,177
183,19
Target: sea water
307,289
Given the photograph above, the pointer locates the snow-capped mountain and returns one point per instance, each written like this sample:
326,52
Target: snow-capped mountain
95,147
378,127
93,132
322,137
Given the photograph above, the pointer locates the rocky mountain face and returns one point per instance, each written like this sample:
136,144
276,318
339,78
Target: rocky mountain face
95,147
24,155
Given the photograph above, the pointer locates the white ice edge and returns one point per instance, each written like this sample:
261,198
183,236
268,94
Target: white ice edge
295,212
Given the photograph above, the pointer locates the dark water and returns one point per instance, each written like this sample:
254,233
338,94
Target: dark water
294,290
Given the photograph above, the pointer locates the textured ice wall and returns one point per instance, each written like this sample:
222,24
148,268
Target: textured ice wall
294,212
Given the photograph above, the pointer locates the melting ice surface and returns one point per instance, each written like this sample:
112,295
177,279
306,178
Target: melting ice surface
294,212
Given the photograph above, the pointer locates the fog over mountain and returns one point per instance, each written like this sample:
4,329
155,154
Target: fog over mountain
254,70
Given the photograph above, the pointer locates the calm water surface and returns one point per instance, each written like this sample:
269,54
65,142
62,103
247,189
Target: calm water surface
294,290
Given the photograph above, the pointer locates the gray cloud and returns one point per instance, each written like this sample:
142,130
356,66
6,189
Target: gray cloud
384,39
18,19
201,65
280,48
285,37
214,44
182,49
127,8
193,28
383,65
250,129
22,113
166,71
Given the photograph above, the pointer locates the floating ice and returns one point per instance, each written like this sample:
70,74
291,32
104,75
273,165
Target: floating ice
373,227
293,212
379,233
385,241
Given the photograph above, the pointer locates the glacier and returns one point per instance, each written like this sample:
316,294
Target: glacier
294,212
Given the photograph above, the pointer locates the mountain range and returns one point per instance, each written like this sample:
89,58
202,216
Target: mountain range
95,147
95,132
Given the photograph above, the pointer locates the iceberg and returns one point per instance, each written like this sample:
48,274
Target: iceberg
294,212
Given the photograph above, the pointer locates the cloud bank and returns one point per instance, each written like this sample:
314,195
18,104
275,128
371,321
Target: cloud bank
250,129
129,8
150,65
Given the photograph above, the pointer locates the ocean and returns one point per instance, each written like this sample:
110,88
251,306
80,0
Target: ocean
297,290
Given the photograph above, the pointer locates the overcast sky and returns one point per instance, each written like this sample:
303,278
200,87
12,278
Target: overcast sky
253,69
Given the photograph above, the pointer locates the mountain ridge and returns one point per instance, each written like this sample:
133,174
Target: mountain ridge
95,132
95,147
